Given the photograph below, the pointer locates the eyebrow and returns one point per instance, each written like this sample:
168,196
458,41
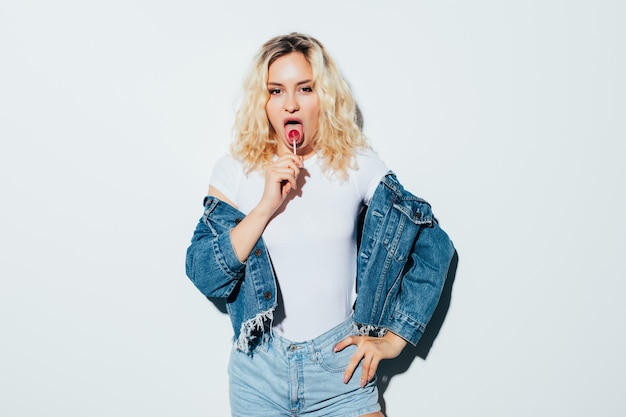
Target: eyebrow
273,83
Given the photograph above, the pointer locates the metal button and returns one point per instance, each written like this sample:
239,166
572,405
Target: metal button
293,348
258,252
237,220
267,295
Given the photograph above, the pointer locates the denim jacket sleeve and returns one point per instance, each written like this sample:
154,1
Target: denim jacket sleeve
422,283
403,263
211,263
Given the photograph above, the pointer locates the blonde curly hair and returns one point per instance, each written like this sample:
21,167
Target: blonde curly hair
339,135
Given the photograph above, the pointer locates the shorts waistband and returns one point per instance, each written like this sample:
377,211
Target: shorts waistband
330,337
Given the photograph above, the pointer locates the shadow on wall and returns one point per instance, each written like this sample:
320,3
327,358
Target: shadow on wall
389,368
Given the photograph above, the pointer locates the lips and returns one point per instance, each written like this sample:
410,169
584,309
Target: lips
294,131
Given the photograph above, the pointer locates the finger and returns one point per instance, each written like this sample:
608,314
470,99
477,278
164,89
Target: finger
289,161
370,364
365,369
294,169
373,368
352,365
344,343
288,168
296,159
279,175
291,178
286,188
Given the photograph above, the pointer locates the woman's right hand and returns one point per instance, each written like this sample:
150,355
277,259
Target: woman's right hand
280,179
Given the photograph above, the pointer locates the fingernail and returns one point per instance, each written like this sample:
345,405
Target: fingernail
345,379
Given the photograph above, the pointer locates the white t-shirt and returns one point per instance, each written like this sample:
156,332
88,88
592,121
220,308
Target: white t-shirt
311,239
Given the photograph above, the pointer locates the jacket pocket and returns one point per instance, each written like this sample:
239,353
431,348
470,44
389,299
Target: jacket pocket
418,211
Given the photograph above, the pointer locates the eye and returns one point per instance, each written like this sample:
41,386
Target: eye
274,91
307,89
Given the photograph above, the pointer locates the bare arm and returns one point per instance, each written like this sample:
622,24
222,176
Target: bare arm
280,179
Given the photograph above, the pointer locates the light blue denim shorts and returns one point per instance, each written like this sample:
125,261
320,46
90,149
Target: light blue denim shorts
283,378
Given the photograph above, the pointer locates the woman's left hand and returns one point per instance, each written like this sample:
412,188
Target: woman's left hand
370,350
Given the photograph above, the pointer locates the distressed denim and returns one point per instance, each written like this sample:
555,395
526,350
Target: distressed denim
402,265
286,379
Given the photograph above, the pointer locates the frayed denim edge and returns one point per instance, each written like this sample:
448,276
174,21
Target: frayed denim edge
369,330
257,323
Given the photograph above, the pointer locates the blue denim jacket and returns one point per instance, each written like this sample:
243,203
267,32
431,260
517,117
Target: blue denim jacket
402,266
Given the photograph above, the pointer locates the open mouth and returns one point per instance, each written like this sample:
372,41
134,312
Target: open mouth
294,132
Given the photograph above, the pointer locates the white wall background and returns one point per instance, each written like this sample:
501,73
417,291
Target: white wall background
507,116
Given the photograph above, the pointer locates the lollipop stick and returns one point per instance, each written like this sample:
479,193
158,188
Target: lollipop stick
294,136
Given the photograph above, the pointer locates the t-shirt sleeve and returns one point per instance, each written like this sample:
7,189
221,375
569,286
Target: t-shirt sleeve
225,177
371,170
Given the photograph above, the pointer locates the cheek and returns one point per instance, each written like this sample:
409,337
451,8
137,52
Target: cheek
315,117
316,109
313,109
270,111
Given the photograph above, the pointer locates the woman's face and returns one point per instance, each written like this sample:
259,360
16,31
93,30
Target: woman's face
293,106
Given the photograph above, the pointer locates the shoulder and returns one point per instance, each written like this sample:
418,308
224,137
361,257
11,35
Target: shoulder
226,163
227,168
370,170
370,164
368,157
226,175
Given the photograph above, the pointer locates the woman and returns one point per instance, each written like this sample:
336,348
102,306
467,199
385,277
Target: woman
316,298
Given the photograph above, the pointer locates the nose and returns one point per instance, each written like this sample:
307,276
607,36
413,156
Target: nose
291,103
